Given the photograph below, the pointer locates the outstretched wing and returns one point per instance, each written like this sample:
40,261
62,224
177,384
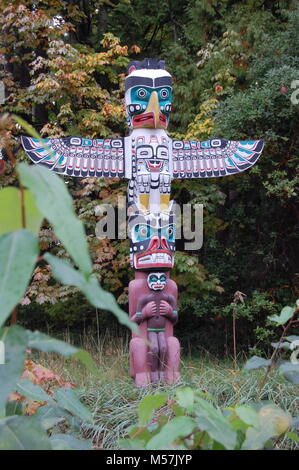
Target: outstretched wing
212,158
75,156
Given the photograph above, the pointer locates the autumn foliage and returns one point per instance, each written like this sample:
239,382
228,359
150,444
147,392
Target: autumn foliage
233,63
45,378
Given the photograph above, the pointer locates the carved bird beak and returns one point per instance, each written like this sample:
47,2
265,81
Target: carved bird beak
153,107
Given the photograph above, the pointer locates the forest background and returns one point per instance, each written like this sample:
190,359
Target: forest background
233,63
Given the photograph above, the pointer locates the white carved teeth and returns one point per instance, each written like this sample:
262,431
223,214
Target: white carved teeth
145,259
162,258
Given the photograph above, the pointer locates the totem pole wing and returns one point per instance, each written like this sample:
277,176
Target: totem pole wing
213,158
76,156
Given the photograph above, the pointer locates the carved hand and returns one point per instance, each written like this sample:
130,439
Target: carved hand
149,310
165,308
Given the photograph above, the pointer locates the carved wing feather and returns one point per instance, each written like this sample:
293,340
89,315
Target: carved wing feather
213,158
75,156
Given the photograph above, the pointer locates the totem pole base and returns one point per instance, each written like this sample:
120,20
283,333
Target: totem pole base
140,369
155,356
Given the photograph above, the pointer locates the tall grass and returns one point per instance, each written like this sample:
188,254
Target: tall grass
114,399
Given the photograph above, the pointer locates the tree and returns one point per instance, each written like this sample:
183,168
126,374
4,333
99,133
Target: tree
63,69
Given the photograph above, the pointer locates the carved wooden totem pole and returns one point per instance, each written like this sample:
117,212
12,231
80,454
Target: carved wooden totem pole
149,159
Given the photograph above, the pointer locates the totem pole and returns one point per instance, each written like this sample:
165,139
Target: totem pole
149,159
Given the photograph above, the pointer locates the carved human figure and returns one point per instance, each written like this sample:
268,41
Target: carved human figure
155,308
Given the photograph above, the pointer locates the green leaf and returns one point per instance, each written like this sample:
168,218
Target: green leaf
13,408
178,410
256,362
98,297
213,422
178,427
86,359
217,446
18,254
185,397
292,377
272,422
22,433
144,433
69,442
290,372
31,391
288,367
55,203
132,444
48,413
295,422
68,399
11,211
148,405
292,338
293,436
285,314
248,415
49,423
46,343
284,345
29,129
237,425
15,339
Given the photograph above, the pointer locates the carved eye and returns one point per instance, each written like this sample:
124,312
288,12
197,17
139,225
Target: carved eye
164,93
169,233
142,231
141,93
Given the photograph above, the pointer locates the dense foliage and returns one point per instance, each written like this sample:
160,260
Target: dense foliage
26,388
233,64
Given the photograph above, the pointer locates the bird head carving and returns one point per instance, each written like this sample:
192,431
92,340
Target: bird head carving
148,94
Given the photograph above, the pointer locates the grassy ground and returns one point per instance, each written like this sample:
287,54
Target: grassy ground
113,398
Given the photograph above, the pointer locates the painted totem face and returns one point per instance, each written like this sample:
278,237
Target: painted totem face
156,281
152,239
152,159
148,98
152,153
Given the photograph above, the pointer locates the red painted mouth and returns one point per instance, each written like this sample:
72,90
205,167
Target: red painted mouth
158,287
144,120
162,120
154,165
148,120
